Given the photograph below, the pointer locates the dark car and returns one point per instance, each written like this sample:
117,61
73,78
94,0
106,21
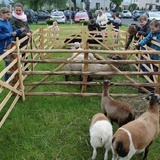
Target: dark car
136,14
42,16
31,16
109,16
67,14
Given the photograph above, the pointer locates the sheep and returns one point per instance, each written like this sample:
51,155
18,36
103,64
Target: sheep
102,68
76,38
117,111
98,68
138,135
101,133
77,66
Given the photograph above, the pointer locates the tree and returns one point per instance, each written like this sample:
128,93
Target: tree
117,3
74,4
132,7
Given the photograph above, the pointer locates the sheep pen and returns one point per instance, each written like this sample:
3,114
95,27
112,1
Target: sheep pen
47,127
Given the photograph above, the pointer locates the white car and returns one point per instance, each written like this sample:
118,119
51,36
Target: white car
59,17
126,14
152,15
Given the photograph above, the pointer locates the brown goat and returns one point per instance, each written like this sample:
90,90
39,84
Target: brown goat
117,111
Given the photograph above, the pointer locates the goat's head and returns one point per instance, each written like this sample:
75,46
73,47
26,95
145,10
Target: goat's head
153,98
107,82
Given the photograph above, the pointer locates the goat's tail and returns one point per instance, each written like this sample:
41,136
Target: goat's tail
119,148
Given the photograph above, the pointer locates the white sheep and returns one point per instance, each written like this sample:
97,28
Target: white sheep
117,111
138,135
99,68
77,66
101,133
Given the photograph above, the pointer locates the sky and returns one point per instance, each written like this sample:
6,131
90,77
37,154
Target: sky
126,0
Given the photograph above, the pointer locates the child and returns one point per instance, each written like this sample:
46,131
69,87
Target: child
155,36
132,30
117,21
6,34
18,20
55,30
145,26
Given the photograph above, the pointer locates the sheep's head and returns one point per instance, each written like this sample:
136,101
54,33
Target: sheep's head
107,82
77,45
153,98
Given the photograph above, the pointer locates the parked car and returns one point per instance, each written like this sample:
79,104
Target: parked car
109,16
59,16
31,16
80,16
152,15
137,13
67,14
126,14
42,16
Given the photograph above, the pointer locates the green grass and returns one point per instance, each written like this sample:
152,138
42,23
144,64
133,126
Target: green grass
57,128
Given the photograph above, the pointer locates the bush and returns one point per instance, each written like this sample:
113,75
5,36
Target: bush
84,22
50,21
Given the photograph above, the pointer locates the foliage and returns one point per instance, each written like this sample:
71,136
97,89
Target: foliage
117,3
132,7
84,22
50,21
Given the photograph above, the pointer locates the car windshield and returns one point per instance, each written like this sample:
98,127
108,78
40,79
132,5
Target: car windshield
81,14
125,11
108,14
57,14
154,14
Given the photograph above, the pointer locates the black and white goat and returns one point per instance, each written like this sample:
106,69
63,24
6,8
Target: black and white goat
138,135
117,111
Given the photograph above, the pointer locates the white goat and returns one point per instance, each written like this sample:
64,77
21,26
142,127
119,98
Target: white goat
117,111
101,133
138,135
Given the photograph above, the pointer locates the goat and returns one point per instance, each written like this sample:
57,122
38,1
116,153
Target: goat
117,111
101,133
138,135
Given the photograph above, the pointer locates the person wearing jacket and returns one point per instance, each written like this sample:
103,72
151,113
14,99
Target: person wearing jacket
6,34
19,20
132,30
145,26
102,19
153,35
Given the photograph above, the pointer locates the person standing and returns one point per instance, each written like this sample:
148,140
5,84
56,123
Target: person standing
102,20
6,34
18,20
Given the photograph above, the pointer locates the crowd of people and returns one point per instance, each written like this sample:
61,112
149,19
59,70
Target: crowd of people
15,24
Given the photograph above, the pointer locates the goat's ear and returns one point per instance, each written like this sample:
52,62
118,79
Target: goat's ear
148,97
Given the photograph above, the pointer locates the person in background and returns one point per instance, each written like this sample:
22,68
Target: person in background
93,26
132,30
102,20
56,30
6,34
117,21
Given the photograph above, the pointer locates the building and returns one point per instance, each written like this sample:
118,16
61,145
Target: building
96,4
147,4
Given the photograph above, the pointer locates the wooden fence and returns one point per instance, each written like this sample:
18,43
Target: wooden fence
46,50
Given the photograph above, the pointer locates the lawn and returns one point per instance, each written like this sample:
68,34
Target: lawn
57,128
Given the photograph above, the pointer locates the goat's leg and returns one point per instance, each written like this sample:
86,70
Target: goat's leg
94,153
146,152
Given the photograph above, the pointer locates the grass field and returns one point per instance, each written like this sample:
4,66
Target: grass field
57,128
